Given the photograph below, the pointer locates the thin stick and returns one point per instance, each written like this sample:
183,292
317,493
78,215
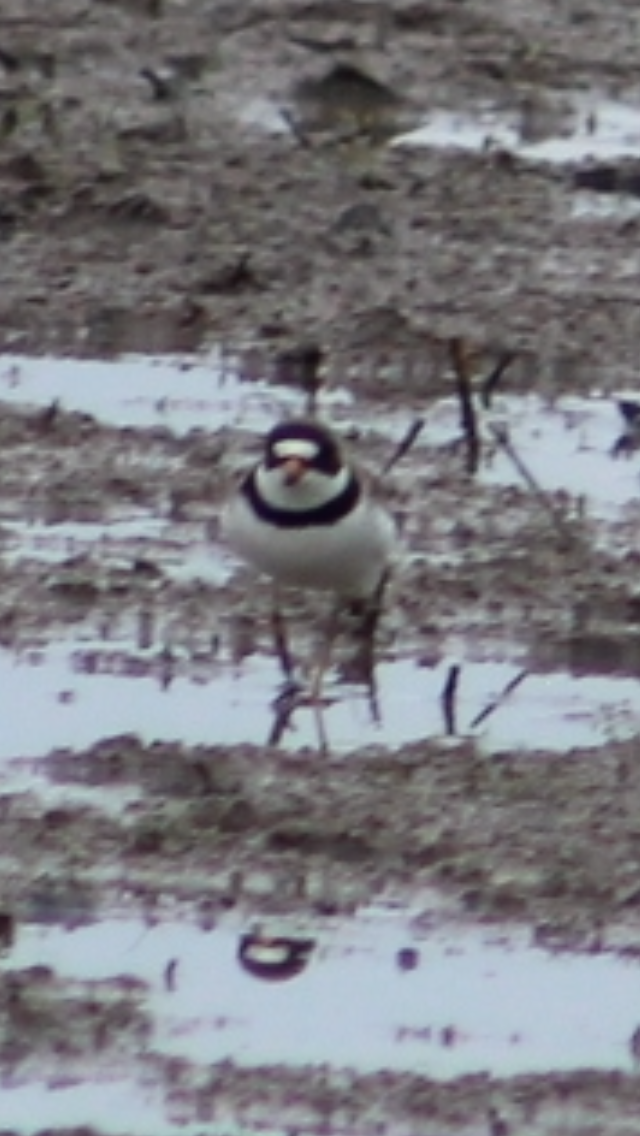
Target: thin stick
404,445
498,700
448,698
468,421
490,384
501,436
372,693
296,129
310,362
318,713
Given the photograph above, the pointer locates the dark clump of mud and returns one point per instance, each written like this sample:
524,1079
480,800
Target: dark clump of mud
484,829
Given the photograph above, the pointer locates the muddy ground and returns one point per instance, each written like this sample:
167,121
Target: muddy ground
157,213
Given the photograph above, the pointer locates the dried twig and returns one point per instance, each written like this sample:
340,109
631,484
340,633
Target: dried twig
490,384
295,128
301,366
501,435
498,700
468,419
448,698
404,445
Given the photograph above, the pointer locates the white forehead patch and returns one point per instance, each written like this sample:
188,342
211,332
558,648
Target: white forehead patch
296,448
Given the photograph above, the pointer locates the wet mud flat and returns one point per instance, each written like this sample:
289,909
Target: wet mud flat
174,174
186,908
460,870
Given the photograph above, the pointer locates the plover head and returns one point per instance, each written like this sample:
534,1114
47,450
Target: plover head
302,466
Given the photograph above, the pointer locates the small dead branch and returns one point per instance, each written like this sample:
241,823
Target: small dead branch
490,384
468,418
163,87
501,435
404,445
295,128
629,440
301,366
499,700
448,698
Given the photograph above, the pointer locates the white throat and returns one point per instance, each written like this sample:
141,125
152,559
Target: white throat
312,490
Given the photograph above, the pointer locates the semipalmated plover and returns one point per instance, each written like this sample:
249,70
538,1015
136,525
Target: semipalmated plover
306,517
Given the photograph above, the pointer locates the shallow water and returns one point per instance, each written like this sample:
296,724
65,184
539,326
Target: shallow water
70,694
573,127
179,551
592,127
426,995
74,691
458,979
442,1002
180,393
567,443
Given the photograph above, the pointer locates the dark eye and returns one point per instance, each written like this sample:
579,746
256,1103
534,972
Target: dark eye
328,459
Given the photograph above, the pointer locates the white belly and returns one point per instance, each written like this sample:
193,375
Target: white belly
348,557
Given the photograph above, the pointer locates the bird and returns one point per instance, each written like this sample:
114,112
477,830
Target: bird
305,516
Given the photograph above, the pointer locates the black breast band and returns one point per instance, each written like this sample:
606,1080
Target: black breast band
327,514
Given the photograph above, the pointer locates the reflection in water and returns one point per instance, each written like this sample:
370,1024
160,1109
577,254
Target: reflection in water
72,694
385,990
274,958
178,392
602,129
441,1002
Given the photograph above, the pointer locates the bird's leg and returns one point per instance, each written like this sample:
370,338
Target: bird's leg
367,655
288,699
374,607
321,667
369,663
365,616
281,640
